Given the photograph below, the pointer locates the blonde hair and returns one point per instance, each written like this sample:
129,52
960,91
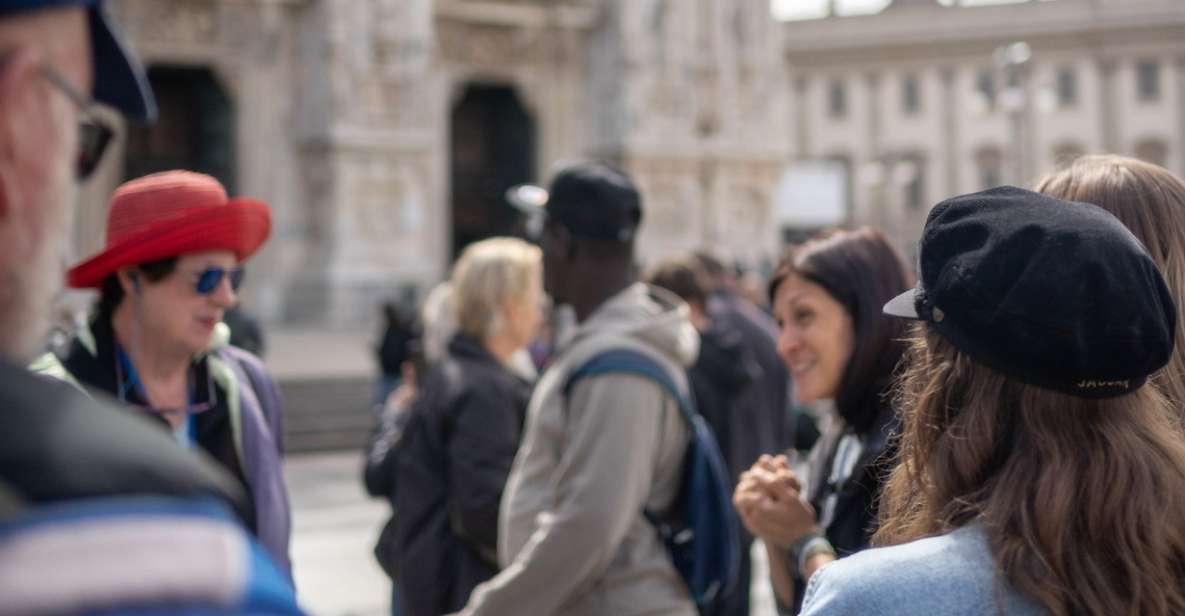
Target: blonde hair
489,273
439,321
1150,201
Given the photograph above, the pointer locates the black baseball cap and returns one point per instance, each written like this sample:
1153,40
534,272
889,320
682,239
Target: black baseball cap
119,78
592,199
1053,293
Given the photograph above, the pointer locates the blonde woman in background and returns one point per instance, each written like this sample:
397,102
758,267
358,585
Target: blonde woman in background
1150,202
454,455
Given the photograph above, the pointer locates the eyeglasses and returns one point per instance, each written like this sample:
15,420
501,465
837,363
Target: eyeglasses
209,279
94,135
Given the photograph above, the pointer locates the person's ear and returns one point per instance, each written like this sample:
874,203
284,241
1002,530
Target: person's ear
23,112
129,281
567,242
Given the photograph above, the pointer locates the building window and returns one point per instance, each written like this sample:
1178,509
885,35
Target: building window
837,99
1148,80
911,101
985,85
990,163
1067,87
1152,151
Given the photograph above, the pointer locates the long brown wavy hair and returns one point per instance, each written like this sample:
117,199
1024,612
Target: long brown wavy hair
1150,201
1082,500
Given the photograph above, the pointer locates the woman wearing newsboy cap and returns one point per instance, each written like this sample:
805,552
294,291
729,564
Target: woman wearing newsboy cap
156,342
1038,472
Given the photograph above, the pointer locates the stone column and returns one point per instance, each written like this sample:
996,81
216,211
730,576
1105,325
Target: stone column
802,116
875,199
1178,148
1108,104
950,126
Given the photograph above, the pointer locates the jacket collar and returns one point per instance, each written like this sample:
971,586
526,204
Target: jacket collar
91,357
464,345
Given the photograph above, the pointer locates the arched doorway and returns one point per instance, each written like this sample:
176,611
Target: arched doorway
492,147
195,131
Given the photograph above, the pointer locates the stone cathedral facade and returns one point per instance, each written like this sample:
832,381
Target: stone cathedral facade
383,132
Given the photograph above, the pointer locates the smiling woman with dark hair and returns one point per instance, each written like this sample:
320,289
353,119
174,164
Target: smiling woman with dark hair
827,297
156,342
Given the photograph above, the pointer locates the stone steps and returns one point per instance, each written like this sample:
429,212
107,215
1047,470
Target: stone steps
326,414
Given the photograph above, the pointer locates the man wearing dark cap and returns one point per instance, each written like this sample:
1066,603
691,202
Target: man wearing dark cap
573,538
76,472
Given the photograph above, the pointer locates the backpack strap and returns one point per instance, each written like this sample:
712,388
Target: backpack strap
629,361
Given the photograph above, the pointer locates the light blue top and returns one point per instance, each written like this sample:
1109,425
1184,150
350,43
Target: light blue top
951,574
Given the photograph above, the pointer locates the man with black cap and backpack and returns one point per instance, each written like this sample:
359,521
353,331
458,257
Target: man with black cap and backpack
602,460
84,486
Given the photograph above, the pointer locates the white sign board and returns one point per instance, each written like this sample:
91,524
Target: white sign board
812,194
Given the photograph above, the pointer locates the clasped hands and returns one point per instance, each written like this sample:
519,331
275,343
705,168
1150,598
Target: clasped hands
768,499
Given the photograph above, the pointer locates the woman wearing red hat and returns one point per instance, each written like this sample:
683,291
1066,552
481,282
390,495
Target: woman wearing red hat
168,273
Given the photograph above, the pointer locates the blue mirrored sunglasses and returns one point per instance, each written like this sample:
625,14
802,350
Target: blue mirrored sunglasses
209,279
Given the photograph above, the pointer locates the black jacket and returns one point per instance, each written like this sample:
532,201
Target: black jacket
723,370
56,444
856,495
760,420
450,469
214,434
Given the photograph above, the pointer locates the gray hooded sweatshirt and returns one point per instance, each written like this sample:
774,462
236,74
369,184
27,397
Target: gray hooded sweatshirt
572,537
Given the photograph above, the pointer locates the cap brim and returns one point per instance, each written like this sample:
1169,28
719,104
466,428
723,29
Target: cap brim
531,200
903,306
528,199
119,79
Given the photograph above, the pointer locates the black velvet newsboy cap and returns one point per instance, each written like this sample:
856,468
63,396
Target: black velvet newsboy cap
1053,293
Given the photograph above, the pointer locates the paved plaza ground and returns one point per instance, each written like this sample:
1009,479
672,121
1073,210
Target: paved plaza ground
334,529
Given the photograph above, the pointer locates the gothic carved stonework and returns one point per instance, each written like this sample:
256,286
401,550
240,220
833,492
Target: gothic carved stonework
403,37
495,47
176,21
345,114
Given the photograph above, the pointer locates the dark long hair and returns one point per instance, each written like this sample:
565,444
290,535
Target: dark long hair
1081,499
111,293
862,271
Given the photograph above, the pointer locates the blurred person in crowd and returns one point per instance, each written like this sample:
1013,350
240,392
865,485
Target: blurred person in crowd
762,419
1150,201
438,318
827,297
573,538
393,350
84,484
446,475
722,370
751,287
1037,472
156,342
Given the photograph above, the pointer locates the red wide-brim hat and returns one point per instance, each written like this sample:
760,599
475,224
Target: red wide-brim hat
171,214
